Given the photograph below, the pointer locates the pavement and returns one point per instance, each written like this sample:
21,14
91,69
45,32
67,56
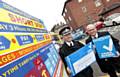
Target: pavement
98,72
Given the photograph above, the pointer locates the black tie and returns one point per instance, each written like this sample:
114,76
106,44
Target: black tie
70,44
95,37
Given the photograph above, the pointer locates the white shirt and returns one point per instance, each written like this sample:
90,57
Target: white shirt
96,36
68,43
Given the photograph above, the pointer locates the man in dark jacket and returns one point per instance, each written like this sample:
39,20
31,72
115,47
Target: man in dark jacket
107,64
68,48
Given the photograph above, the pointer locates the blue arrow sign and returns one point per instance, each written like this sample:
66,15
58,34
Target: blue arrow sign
4,43
105,47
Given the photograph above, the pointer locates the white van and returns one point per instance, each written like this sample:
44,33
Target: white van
113,19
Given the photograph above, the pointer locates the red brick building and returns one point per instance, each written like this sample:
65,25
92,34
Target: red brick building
78,13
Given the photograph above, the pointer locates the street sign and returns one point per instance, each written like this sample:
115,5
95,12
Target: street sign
26,48
4,43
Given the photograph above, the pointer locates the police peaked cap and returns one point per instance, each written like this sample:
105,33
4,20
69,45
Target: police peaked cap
65,31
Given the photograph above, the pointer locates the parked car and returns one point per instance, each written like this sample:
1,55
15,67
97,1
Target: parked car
113,19
78,36
99,25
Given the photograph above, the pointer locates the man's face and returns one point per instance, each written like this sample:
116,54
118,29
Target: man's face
91,30
67,37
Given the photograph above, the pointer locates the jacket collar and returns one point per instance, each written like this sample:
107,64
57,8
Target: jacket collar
66,45
98,35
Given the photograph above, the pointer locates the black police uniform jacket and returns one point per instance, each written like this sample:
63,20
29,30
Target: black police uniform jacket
66,50
108,63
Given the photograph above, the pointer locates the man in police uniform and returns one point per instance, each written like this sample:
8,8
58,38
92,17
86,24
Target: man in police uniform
69,46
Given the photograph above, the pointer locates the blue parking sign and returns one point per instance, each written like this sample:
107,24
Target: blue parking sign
105,47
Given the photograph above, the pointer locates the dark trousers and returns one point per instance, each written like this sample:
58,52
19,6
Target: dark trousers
111,70
107,66
84,75
112,73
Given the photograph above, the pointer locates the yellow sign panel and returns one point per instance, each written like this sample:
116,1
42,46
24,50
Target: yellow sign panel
13,46
10,42
9,17
6,58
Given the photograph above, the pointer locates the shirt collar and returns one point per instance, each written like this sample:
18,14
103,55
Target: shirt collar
68,43
96,36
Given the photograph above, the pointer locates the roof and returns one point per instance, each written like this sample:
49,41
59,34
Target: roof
110,8
67,1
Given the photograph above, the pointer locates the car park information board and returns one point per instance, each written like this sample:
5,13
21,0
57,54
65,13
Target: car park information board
81,59
26,49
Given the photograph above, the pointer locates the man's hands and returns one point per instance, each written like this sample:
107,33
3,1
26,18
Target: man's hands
68,71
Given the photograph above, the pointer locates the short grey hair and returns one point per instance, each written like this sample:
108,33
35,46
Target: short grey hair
90,26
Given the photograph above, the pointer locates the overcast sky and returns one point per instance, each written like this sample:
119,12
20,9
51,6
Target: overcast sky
47,10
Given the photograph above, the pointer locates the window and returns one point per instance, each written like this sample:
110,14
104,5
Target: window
67,21
107,0
64,14
69,18
84,9
65,10
79,1
97,3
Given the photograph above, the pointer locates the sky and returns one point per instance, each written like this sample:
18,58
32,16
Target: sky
48,10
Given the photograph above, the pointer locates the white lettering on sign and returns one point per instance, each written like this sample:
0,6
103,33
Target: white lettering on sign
110,47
